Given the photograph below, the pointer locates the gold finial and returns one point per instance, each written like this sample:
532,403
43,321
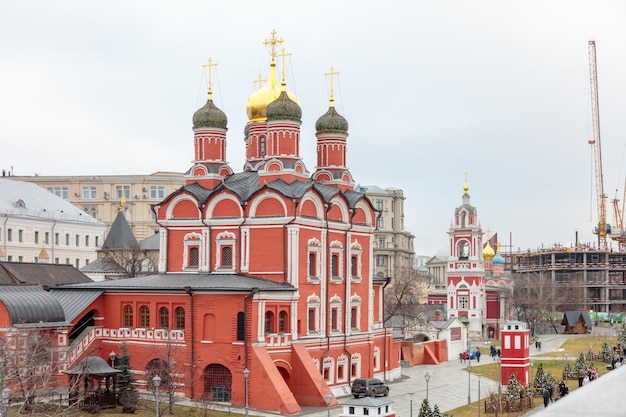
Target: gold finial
273,41
283,54
331,73
259,80
488,233
122,203
208,65
465,186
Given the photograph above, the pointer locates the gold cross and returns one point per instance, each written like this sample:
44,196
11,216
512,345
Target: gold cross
208,65
283,54
488,233
259,80
273,41
331,73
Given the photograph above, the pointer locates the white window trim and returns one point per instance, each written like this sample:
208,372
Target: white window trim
192,240
225,239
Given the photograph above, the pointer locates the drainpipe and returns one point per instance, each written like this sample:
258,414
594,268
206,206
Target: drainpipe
347,297
251,294
329,272
189,291
385,329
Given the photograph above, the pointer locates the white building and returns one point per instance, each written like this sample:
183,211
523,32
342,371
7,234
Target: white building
38,226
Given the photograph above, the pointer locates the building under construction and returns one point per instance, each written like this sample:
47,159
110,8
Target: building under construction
601,274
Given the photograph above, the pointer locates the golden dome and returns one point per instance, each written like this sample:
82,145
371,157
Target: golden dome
260,99
488,252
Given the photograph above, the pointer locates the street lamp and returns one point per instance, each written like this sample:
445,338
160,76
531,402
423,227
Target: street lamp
328,397
469,394
246,375
427,378
157,381
532,364
479,375
411,394
112,356
3,410
6,393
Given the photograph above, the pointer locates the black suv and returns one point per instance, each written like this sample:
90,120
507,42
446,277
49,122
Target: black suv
369,387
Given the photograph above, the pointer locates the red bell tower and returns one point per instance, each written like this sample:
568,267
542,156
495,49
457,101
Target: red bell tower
515,341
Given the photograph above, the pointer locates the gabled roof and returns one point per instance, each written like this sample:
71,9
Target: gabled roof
74,302
572,318
12,273
120,236
103,266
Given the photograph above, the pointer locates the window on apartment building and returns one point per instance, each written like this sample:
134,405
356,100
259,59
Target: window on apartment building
56,260
77,263
380,260
46,238
36,237
67,239
164,318
128,316
97,238
379,205
77,240
380,223
10,235
122,191
144,317
381,242
179,313
157,191
10,258
20,258
94,212
67,261
87,240
89,193
463,302
56,239
59,192
20,236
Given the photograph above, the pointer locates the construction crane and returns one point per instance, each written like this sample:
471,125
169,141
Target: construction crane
603,229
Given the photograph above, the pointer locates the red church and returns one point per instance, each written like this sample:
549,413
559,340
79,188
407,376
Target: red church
264,275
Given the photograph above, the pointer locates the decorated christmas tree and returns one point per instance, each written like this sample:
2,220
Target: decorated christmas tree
513,388
621,334
580,364
540,379
425,410
605,352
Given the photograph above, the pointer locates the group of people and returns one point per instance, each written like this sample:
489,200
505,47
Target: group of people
470,354
548,392
493,352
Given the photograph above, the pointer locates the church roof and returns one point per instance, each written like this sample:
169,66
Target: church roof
12,273
25,199
120,236
151,243
103,266
30,304
182,282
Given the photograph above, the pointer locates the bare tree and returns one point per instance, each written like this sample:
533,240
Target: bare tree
403,293
168,365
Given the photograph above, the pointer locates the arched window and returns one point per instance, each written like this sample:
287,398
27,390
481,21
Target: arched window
353,318
354,266
262,146
312,265
335,265
180,318
164,318
311,319
282,322
194,257
269,322
128,316
144,316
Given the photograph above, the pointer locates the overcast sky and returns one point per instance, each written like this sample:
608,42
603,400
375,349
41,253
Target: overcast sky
431,89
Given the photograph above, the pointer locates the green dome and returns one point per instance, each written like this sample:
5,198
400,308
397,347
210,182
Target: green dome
209,116
283,108
331,122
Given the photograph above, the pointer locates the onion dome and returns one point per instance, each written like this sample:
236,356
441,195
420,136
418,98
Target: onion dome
260,99
246,130
488,252
209,116
283,108
331,121
498,259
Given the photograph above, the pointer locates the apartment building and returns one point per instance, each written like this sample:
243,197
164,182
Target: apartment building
102,196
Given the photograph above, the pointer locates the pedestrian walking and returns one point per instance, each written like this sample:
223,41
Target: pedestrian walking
546,396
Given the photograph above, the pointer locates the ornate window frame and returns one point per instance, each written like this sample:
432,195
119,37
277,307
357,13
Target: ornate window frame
225,239
192,240
314,250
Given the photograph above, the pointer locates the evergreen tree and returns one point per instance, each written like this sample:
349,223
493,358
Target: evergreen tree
425,410
436,412
128,397
513,388
540,378
621,334
605,352
580,364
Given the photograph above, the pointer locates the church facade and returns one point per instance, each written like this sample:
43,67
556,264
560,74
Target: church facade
265,294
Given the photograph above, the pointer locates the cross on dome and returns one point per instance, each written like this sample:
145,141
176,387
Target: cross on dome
273,42
331,73
208,65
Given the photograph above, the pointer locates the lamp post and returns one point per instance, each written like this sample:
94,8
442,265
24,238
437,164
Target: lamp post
3,410
499,375
246,375
328,397
156,381
532,364
6,393
479,375
565,357
411,394
427,378
469,374
112,356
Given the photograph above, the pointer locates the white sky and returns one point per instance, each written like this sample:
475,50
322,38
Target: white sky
431,90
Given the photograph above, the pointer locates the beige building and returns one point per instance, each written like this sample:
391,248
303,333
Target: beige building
393,246
36,226
101,196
